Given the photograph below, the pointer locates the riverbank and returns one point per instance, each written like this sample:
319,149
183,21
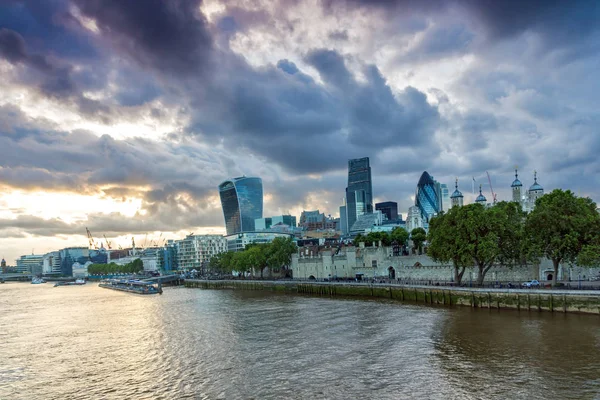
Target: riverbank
563,301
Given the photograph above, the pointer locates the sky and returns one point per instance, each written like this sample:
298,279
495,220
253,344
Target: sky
124,116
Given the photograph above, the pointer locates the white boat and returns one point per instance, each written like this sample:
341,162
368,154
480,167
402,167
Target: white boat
37,281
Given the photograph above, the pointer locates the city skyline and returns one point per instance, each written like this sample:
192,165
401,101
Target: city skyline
107,125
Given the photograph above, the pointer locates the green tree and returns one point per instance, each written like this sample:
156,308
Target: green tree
257,257
564,228
280,253
377,236
418,236
445,242
222,262
479,236
399,235
358,239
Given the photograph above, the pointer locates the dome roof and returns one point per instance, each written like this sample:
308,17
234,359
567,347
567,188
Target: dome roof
456,194
516,182
536,185
481,199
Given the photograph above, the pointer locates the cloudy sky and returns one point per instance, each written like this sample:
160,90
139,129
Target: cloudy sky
124,116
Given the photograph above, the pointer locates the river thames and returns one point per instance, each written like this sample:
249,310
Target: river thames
93,343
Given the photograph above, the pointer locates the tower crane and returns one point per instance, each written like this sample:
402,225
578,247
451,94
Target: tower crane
491,188
107,243
91,240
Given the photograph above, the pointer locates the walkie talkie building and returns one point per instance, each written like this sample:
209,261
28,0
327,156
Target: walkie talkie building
242,202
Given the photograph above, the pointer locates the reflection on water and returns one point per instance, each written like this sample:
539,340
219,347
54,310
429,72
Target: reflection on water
88,342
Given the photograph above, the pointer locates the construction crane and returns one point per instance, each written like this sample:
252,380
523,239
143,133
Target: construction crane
158,240
91,240
491,188
107,243
145,239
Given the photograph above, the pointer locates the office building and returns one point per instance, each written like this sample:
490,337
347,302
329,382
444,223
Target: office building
288,220
343,221
445,197
239,241
389,209
262,224
51,263
195,250
30,264
359,193
428,198
242,202
71,255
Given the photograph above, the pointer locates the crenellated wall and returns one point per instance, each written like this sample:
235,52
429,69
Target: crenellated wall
376,261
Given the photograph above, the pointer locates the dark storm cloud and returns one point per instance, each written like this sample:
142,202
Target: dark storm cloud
47,24
168,35
283,115
168,53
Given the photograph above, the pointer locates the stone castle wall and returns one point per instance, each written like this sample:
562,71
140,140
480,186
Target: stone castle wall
375,262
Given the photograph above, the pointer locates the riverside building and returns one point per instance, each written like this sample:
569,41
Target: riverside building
196,250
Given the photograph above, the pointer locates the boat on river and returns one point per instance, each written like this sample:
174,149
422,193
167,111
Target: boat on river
37,281
77,282
131,286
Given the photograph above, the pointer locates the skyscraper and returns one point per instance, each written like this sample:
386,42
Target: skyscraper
445,197
428,197
242,202
389,209
359,193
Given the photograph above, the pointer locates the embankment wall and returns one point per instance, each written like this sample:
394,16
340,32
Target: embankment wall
587,302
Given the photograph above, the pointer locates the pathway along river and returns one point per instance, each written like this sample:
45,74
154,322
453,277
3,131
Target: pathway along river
91,343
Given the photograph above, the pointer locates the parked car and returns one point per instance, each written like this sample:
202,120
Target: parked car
530,284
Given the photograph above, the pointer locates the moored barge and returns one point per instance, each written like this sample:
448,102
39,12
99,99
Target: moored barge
131,286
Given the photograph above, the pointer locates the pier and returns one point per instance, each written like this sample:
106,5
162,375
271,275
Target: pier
562,301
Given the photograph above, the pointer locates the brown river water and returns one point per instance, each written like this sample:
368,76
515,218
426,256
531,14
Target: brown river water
91,343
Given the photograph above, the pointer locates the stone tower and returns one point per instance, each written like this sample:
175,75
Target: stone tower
457,197
3,265
516,188
481,198
535,192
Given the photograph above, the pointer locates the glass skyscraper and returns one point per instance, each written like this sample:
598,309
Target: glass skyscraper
242,202
359,193
428,197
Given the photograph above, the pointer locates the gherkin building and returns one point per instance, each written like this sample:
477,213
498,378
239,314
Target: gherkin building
428,196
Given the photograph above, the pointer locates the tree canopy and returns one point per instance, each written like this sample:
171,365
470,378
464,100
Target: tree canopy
474,235
133,267
256,256
400,236
445,244
418,236
564,228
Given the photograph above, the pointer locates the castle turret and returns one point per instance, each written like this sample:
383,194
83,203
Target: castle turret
516,188
481,198
535,192
457,197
